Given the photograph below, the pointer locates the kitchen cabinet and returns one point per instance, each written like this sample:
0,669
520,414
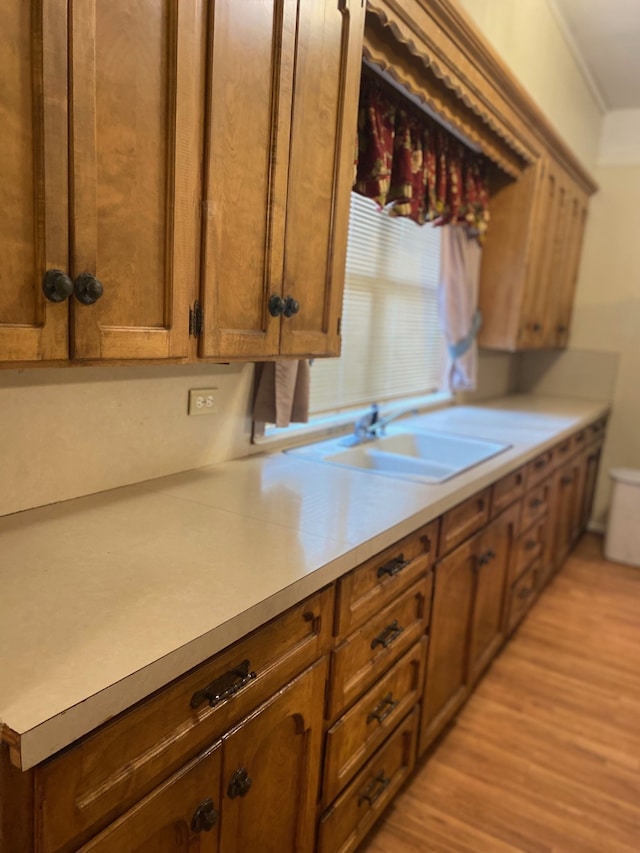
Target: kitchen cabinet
466,618
111,201
102,181
278,174
564,531
531,258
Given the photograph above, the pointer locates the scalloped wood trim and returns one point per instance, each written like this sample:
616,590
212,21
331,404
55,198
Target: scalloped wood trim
383,53
445,41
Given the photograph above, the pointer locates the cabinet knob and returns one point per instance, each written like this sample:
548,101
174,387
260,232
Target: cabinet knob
205,817
239,784
276,306
562,329
536,327
56,286
87,288
291,306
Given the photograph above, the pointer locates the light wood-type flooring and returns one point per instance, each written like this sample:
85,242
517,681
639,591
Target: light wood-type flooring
546,754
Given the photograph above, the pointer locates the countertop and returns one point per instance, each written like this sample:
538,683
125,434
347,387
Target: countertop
109,597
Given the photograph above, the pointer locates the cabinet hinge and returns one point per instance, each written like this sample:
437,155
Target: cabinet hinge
196,320
339,328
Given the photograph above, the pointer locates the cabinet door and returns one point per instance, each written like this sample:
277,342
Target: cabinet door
566,485
251,48
136,126
576,215
492,571
446,678
33,177
588,476
327,80
180,816
271,767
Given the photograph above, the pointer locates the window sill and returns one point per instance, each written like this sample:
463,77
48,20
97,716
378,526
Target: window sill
341,424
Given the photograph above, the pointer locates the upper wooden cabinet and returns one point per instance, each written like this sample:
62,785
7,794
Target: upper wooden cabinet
100,177
105,130
282,105
531,258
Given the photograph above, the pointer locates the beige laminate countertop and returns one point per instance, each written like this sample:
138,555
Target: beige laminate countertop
109,597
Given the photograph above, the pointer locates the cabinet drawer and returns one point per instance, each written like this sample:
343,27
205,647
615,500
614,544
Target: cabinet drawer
535,504
507,490
89,785
529,546
371,649
346,823
595,431
463,521
539,468
361,730
522,596
563,451
372,585
579,440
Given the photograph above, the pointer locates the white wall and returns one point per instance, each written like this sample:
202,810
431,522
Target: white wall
66,432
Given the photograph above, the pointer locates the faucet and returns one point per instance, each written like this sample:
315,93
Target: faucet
371,425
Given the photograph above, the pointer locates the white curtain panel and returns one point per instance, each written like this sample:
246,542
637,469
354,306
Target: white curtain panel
458,305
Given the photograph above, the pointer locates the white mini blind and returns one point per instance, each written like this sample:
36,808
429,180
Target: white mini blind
392,345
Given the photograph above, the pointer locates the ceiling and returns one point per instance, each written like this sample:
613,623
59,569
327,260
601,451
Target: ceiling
606,34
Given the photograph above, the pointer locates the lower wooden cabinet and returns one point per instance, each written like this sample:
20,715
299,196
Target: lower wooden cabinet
254,790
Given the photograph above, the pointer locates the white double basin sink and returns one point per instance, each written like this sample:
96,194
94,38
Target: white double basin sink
406,453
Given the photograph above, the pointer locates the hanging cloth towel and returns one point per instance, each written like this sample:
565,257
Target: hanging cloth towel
282,393
460,318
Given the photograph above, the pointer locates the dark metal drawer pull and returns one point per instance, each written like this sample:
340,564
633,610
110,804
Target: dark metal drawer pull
224,687
393,566
540,463
374,789
535,503
383,709
390,633
485,558
579,437
239,784
530,544
566,480
205,817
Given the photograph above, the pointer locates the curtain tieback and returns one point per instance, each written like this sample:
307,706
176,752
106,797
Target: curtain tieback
462,346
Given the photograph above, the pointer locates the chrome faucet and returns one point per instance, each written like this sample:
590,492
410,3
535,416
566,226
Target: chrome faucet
371,426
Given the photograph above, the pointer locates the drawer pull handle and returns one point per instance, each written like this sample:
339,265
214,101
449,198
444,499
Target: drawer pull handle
390,633
205,817
374,789
383,709
524,593
485,558
530,544
535,503
393,566
224,687
566,480
579,437
539,463
239,784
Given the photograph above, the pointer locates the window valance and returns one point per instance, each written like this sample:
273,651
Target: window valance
413,166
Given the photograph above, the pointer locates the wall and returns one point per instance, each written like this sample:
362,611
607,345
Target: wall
66,432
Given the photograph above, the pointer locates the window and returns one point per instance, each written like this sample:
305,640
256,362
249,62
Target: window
392,346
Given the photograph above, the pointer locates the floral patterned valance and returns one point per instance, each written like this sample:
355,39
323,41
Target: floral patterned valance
413,166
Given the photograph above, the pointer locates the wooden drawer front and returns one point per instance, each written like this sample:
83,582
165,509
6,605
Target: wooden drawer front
92,783
563,451
535,504
529,546
346,823
507,490
362,658
365,590
361,730
168,813
539,468
579,440
595,431
522,596
463,521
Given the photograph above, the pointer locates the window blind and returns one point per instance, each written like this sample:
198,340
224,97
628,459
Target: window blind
392,345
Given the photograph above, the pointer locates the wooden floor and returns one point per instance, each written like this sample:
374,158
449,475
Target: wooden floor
546,754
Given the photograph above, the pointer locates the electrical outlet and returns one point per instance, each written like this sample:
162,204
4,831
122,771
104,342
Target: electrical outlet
202,401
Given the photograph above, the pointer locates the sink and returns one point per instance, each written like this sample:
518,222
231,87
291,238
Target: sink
424,456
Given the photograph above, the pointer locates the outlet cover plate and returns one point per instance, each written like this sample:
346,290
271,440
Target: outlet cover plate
202,401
